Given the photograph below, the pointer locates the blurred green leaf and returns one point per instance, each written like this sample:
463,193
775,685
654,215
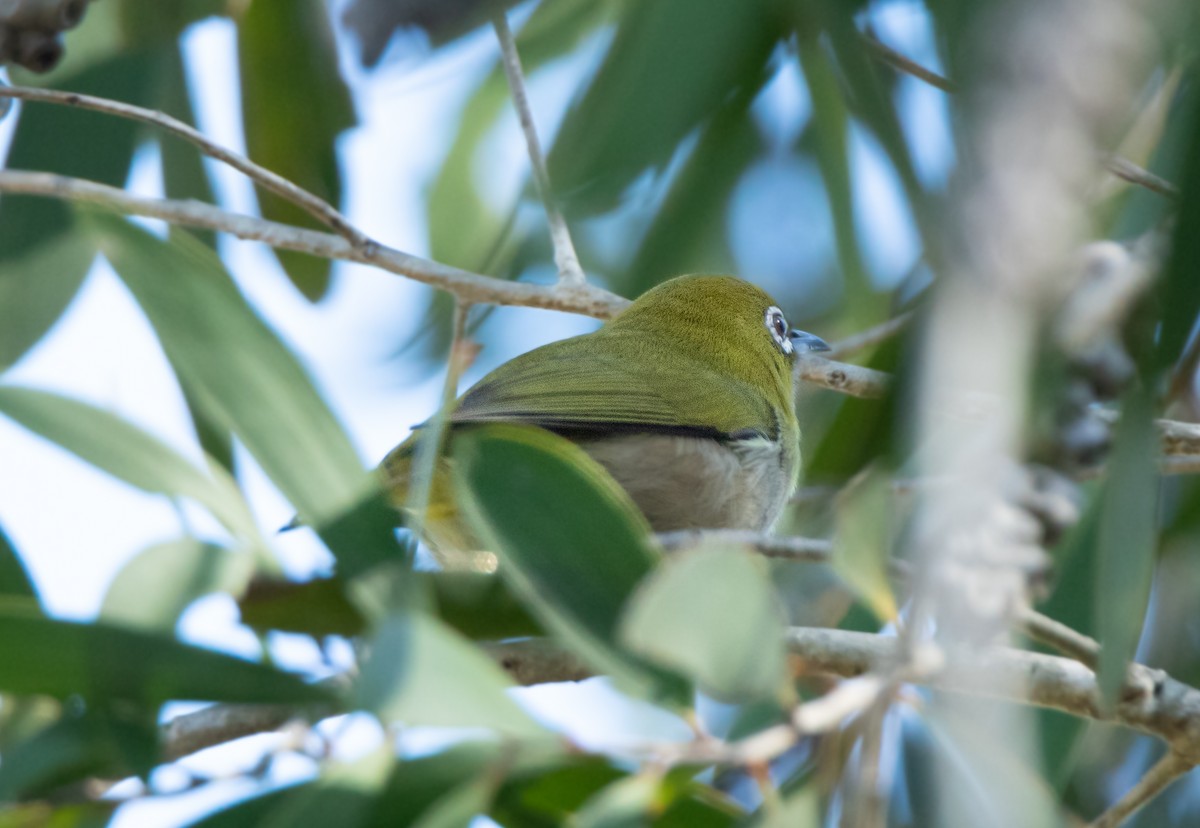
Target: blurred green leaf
75,748
862,543
570,541
421,672
551,796
318,607
43,259
1179,290
1127,541
128,453
73,142
459,807
433,787
673,63
100,661
343,795
480,606
39,814
153,21
711,614
37,287
247,379
476,604
831,124
294,106
152,590
14,578
799,809
625,803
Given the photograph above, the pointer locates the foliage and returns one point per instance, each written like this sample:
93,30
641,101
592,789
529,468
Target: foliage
659,154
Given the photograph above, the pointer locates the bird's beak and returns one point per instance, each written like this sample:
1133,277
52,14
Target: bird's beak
803,342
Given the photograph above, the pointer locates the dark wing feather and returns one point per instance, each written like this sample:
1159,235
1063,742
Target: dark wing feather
573,385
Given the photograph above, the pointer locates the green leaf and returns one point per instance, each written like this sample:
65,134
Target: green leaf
624,804
672,65
1127,542
94,744
36,287
570,541
711,614
14,578
36,814
43,258
128,453
100,661
831,122
152,590
185,177
478,605
421,672
246,378
1179,290
344,795
318,608
551,796
74,142
294,106
435,786
862,543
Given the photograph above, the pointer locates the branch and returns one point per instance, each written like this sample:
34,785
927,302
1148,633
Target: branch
1155,781
840,376
584,299
320,209
569,271
812,550
1171,711
221,723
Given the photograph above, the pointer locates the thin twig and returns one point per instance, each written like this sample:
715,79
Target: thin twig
1119,166
813,550
872,336
1069,642
1155,781
569,270
583,299
1126,170
903,64
322,210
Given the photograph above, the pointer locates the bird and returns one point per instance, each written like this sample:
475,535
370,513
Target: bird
686,398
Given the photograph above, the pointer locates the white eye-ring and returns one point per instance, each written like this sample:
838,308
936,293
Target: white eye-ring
777,324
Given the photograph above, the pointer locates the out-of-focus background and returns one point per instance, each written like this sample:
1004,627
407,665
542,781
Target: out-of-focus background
785,142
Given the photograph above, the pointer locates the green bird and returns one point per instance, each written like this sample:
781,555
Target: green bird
686,398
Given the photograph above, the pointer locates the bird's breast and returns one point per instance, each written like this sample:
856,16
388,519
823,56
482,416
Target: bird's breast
699,483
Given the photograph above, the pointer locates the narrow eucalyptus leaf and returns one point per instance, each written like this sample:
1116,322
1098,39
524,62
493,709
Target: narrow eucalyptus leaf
1127,541
711,614
101,662
127,452
570,541
421,672
152,590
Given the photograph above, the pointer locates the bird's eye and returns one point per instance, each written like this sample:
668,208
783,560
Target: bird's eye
777,324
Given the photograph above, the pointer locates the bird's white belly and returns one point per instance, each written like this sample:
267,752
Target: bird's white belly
698,483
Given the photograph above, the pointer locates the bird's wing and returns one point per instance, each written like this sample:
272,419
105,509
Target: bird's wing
573,386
